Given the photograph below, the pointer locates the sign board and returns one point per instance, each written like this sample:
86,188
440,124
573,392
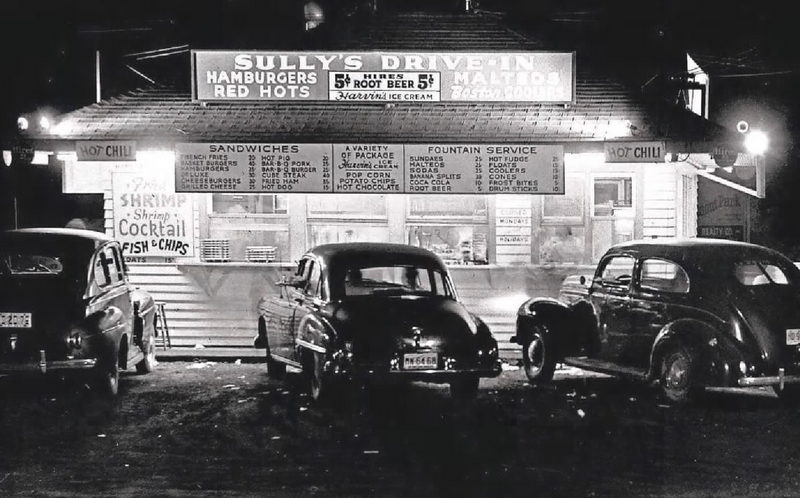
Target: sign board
370,168
106,150
150,219
721,211
225,75
635,152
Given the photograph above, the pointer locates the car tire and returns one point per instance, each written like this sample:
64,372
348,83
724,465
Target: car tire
538,358
464,388
678,377
148,363
319,382
107,381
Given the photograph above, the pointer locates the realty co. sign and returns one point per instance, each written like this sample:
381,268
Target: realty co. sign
107,150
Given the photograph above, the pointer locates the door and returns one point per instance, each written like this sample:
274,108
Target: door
659,288
610,295
307,300
280,319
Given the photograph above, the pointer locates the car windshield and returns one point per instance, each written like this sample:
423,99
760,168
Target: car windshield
30,264
394,280
753,273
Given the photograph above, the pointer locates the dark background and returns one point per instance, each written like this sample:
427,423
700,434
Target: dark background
749,48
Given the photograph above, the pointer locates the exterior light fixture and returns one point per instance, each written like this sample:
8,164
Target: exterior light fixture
742,126
756,142
44,122
22,123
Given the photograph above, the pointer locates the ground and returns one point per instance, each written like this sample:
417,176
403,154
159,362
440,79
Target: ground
210,428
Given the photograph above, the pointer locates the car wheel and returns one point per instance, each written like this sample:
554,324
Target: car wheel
678,379
319,382
107,381
464,388
538,357
149,361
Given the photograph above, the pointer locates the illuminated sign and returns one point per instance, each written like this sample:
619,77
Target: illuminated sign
221,75
370,168
107,150
634,152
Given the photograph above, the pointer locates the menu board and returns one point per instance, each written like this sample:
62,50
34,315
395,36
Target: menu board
370,168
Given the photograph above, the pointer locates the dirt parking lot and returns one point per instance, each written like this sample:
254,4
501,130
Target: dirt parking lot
222,428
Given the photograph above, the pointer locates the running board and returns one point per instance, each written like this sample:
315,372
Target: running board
293,370
605,367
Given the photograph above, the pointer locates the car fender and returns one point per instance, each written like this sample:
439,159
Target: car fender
717,352
104,329
561,320
314,334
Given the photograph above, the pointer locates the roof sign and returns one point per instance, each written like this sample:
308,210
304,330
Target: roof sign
220,75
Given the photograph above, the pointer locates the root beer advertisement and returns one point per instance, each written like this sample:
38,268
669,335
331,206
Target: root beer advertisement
150,219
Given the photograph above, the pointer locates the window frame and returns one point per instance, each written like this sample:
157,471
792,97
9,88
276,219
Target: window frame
601,267
626,211
652,290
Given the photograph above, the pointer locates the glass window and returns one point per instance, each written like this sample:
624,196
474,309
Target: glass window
394,280
611,194
312,284
105,269
759,273
319,233
25,264
617,270
366,206
465,244
566,206
663,276
248,203
562,244
444,206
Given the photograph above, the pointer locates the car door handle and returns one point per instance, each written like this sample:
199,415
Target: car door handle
299,300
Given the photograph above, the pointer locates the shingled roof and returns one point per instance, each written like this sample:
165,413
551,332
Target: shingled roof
603,110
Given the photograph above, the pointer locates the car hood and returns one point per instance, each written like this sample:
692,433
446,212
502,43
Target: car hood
380,325
768,311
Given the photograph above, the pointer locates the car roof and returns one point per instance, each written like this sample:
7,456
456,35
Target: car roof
694,251
374,252
61,237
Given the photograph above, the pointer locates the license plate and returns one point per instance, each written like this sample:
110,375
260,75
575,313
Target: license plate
15,320
420,361
792,337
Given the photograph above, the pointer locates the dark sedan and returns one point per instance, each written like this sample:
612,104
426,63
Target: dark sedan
374,311
685,313
66,306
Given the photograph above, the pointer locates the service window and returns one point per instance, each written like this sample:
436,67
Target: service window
611,194
256,226
617,271
455,228
660,275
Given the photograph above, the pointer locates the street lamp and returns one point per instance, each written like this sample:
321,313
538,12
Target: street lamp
756,142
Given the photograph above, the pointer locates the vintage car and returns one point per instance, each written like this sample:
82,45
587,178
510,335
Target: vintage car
66,307
370,311
686,314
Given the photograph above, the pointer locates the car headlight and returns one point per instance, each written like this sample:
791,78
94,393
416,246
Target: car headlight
75,338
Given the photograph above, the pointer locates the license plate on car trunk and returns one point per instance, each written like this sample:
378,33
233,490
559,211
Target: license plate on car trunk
420,361
792,337
15,320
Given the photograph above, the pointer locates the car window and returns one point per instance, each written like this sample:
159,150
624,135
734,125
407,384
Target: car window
755,273
31,264
661,275
105,267
399,279
617,271
314,279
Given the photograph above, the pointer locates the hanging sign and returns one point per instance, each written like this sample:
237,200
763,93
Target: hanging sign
105,150
635,152
225,75
370,168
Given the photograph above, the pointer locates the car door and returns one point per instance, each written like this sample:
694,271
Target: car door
660,289
308,299
610,296
280,322
109,288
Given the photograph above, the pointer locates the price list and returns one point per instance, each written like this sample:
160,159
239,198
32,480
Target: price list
253,168
368,168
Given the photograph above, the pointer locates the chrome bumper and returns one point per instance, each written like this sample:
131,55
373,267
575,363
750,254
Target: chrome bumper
772,380
45,366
